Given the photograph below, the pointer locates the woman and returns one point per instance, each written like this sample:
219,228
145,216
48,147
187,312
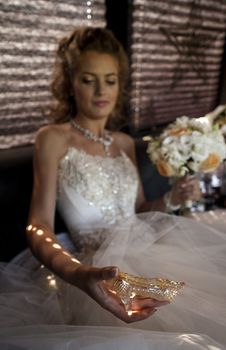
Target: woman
91,174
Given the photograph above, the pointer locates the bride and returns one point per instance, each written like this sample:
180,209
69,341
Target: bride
90,173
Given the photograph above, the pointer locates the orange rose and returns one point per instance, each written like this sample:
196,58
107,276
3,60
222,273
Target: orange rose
164,168
210,163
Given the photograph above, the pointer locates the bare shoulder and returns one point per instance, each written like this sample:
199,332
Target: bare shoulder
125,143
51,140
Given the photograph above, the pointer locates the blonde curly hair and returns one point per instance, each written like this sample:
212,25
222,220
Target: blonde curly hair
68,55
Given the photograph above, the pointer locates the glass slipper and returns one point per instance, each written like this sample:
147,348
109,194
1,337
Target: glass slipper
127,286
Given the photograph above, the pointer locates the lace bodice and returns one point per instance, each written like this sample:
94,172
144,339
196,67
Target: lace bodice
94,191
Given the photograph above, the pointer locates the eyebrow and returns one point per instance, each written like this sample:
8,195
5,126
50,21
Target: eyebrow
108,74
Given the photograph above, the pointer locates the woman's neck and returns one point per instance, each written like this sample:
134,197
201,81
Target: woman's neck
97,127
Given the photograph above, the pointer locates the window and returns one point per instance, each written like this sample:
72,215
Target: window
176,56
29,30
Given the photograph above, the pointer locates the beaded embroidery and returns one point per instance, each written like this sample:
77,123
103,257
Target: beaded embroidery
107,183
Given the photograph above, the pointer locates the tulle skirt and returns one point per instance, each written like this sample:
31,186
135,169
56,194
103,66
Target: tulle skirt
100,338
39,311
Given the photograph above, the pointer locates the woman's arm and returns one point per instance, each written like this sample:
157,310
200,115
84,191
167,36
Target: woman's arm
142,205
50,146
184,189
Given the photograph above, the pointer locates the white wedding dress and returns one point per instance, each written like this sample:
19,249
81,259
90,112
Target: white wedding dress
96,197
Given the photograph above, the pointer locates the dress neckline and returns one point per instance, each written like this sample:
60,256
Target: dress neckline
122,154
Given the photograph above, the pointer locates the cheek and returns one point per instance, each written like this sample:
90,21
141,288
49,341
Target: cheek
82,95
115,94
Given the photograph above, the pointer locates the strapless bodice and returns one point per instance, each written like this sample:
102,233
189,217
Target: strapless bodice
95,191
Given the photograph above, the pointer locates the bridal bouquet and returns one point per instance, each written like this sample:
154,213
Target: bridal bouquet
187,146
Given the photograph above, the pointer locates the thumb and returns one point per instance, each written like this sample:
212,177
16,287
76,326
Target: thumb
105,273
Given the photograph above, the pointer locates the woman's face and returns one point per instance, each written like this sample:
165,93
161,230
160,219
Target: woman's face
96,85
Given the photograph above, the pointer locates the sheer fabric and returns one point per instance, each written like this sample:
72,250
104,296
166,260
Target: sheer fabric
34,304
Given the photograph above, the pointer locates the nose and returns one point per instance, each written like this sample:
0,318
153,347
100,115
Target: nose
100,88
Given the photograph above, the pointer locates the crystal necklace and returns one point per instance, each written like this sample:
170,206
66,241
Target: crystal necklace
106,141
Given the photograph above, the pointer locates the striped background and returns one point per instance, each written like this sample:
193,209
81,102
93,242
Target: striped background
29,30
177,49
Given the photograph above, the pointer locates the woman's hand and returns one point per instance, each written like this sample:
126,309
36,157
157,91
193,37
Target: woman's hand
186,188
92,280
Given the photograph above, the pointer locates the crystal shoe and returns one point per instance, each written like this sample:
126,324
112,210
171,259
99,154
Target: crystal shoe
127,286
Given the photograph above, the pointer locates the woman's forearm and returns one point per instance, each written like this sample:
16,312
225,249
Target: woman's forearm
154,205
163,204
47,249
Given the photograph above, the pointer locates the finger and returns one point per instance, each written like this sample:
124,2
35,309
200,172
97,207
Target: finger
133,315
139,310
189,187
191,193
188,182
140,315
105,273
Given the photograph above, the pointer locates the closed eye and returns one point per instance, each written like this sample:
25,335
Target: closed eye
111,82
88,81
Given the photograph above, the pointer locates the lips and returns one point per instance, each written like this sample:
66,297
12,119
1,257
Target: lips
100,103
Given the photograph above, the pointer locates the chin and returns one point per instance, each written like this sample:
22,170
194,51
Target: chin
101,115
103,112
